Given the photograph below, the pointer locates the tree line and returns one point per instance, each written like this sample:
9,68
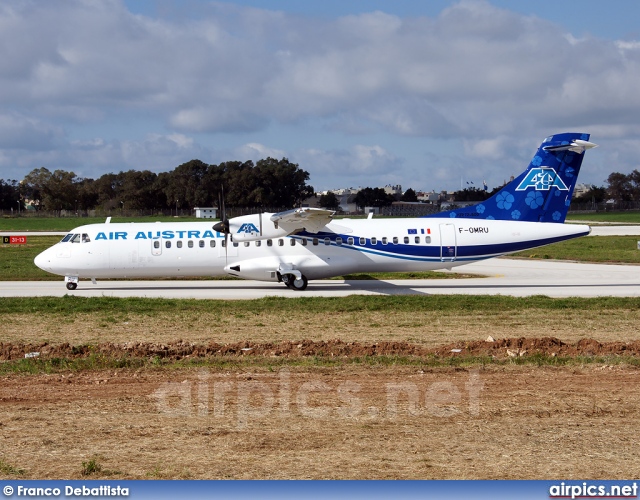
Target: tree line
267,183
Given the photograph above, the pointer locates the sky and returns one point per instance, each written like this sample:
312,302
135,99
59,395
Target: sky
432,95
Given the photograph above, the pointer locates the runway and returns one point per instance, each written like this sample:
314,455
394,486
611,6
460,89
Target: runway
514,277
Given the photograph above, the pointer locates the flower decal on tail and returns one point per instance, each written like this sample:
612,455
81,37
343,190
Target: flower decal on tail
534,199
505,200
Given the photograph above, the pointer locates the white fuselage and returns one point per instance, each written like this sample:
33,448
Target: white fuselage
177,249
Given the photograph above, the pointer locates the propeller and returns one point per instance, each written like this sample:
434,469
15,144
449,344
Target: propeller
223,225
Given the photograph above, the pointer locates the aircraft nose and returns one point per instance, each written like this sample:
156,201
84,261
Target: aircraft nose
42,261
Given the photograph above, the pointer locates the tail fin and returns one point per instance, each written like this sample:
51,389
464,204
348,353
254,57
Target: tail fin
542,193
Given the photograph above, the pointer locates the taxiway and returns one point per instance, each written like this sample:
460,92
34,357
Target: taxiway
515,277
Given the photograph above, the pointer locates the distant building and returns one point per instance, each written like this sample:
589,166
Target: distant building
581,189
206,212
395,191
409,209
432,198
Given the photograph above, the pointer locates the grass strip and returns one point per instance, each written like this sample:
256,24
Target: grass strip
70,305
34,366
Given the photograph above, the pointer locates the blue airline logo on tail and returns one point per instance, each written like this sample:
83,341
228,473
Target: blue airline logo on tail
542,179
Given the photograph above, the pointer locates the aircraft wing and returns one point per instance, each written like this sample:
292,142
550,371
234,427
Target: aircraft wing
311,220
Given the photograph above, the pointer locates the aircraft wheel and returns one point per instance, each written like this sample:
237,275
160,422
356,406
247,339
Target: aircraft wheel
287,279
72,286
299,284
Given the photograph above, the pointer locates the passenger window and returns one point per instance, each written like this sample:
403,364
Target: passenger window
339,240
223,243
66,238
235,243
212,243
247,243
350,240
293,242
384,240
179,244
258,243
269,243
427,239
417,240
395,240
201,243
406,240
304,242
315,241
156,244
374,241
363,241
327,241
190,243
167,244
280,242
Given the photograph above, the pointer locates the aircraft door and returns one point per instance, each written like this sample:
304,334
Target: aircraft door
448,248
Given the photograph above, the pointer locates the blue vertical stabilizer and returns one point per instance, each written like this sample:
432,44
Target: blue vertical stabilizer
542,193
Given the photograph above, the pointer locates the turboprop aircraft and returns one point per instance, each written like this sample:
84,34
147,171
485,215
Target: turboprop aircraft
304,244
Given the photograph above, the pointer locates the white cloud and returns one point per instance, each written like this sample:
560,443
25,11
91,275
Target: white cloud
472,74
254,151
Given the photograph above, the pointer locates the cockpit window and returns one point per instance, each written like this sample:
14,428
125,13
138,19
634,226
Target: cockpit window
85,238
66,238
75,238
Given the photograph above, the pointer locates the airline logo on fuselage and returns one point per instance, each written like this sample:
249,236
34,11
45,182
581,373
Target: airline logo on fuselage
542,179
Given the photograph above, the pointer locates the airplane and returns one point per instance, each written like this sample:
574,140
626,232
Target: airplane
295,246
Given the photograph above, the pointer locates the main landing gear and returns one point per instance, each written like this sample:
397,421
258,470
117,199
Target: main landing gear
295,283
71,286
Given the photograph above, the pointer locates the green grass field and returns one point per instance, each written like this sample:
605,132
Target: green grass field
68,306
610,249
614,217
68,223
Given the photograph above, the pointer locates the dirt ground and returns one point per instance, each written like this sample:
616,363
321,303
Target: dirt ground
330,420
351,422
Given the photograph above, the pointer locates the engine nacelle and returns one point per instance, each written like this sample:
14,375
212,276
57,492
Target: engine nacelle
254,227
261,269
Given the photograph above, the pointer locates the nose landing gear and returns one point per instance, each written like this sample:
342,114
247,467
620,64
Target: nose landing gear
71,282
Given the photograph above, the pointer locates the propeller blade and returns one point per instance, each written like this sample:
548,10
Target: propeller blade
223,225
